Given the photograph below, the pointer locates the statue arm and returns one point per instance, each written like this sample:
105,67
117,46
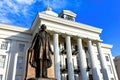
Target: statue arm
31,52
34,41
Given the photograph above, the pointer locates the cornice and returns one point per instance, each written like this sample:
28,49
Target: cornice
17,37
106,45
18,29
70,23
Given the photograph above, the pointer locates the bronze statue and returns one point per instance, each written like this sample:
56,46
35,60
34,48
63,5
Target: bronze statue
40,57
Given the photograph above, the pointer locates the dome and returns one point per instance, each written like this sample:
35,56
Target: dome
50,12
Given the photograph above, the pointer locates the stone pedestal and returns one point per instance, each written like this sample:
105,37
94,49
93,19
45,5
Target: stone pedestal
30,71
41,79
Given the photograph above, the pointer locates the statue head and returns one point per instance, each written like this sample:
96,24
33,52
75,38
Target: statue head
43,27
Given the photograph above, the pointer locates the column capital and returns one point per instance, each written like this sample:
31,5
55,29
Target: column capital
93,40
98,41
53,32
78,37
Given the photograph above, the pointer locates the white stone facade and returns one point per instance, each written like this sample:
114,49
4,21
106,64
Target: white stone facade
78,50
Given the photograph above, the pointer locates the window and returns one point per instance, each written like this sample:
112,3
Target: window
109,69
20,63
18,77
69,18
76,48
2,61
21,47
0,77
107,58
62,16
4,45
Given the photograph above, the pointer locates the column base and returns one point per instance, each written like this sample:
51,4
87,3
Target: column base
41,79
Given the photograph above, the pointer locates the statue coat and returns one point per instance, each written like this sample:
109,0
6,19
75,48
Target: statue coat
41,49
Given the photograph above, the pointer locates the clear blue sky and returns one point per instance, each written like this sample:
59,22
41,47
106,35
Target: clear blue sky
103,14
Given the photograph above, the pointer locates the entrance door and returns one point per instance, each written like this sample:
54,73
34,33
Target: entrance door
4,50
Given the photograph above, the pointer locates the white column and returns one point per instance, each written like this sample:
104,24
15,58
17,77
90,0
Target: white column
92,57
56,57
82,60
12,61
15,65
102,60
69,59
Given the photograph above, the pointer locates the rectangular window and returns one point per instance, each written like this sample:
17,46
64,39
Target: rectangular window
2,61
4,45
18,77
21,47
20,63
0,77
107,58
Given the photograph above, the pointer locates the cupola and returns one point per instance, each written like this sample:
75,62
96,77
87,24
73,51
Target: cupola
69,15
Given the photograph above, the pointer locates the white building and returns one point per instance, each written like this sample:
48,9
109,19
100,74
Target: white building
79,53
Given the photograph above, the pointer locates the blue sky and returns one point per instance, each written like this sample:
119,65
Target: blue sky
103,14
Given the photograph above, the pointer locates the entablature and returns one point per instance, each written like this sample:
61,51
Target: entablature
66,27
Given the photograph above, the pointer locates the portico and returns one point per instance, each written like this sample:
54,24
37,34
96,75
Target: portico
81,58
79,32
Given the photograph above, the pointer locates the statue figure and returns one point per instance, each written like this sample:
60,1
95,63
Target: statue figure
40,53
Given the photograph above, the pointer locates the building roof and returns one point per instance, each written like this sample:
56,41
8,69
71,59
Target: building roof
13,28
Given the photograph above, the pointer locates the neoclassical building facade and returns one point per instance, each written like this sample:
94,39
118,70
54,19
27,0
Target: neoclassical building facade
79,53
